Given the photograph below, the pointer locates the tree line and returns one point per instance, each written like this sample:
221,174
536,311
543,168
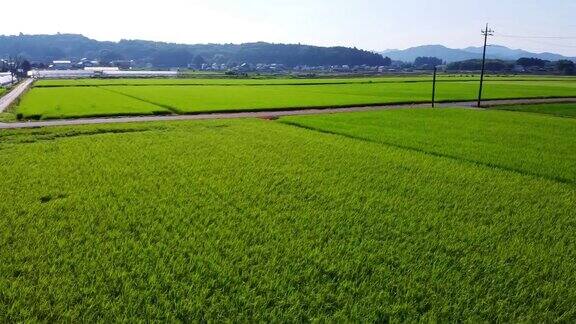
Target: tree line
527,64
47,48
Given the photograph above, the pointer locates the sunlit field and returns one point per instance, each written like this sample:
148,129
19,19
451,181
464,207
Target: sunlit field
90,98
561,110
446,215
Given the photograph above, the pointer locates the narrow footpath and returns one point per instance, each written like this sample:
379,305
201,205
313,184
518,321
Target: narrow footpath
13,94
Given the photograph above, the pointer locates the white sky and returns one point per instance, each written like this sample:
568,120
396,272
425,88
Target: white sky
367,24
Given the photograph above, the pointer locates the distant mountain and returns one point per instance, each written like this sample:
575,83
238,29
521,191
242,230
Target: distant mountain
439,51
453,55
503,52
46,48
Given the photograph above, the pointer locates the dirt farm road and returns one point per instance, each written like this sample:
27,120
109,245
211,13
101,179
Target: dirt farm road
268,114
15,93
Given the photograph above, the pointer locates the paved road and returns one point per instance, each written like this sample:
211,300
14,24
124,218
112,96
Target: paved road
8,99
269,114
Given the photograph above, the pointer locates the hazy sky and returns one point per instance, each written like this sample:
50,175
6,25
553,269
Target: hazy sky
368,24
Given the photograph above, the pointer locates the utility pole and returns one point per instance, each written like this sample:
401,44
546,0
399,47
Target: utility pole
12,72
434,87
486,32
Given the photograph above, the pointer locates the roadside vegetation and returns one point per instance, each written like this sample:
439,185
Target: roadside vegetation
434,215
6,117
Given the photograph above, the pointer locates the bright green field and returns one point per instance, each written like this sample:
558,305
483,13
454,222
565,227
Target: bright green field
217,98
2,90
89,101
62,102
562,110
526,143
265,81
253,220
281,81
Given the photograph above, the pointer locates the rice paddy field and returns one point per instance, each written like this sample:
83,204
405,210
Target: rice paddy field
445,215
490,138
562,110
287,81
51,99
64,102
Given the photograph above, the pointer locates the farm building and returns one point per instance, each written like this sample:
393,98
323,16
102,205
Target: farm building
140,74
111,72
61,65
5,78
48,74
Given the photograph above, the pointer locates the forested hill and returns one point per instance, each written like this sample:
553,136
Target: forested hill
46,48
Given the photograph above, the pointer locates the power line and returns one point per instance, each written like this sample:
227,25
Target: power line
535,37
546,43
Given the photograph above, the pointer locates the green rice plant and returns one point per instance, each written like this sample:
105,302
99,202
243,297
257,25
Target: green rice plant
561,109
7,117
60,102
525,143
49,103
253,220
193,99
287,81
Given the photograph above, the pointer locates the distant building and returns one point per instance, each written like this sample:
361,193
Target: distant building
123,64
112,72
5,78
99,71
84,63
245,67
101,68
64,74
61,65
140,74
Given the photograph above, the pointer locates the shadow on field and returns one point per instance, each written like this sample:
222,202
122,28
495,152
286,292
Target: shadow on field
431,153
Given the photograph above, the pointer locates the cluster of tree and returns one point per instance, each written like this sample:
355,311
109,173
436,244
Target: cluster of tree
566,67
46,48
17,66
528,62
426,62
476,65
